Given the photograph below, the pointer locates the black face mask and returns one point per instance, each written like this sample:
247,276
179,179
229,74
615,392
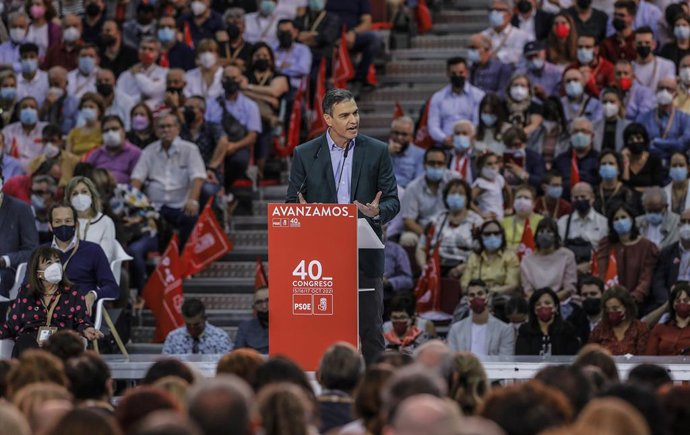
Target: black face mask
636,147
92,9
524,6
64,233
189,115
584,4
262,317
582,206
643,50
231,87
457,82
592,306
178,91
108,40
285,39
261,65
618,24
105,89
233,31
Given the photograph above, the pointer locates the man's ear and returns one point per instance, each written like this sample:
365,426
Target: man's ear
329,119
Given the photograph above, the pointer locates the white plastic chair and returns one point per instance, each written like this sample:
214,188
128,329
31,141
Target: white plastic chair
7,345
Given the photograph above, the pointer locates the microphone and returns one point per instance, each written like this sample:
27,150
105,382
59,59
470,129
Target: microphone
342,169
316,156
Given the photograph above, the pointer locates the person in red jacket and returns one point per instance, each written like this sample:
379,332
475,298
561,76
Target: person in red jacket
598,72
25,187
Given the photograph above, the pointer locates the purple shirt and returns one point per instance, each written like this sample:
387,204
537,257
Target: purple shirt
120,165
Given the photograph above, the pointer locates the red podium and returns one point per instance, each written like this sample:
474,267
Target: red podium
313,302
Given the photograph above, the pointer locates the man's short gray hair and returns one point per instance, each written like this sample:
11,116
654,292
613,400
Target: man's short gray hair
581,119
655,192
333,97
403,120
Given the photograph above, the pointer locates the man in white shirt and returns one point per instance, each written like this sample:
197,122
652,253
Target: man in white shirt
649,69
480,332
83,79
24,138
116,102
262,25
507,41
32,82
658,224
583,223
9,51
145,80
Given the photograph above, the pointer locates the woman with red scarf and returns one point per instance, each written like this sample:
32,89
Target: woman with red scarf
405,331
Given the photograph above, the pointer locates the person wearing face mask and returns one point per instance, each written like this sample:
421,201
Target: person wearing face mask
641,169
552,204
115,102
403,332
8,97
253,333
9,51
84,263
677,189
54,149
682,100
637,99
523,112
507,40
93,19
407,158
293,59
523,205
621,44
597,71
94,226
481,333
423,197
113,54
611,189
668,126
658,224
198,336
492,122
456,101
24,136
619,330
142,26
520,164
582,230
42,31
141,134
490,190
576,103
635,255
65,54
608,130
59,107
551,264
46,287
544,76
262,25
234,50
586,307
673,337
531,19
32,81
206,79
562,40
145,80
650,69
672,265
116,155
588,19
546,333
319,30
581,153
203,22
462,152
680,46
83,78
86,137
486,72
453,229
174,53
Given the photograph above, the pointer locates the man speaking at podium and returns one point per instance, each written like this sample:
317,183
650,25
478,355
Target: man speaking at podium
343,167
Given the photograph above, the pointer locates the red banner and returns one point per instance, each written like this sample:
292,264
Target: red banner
343,71
207,243
611,277
574,171
163,292
314,287
423,138
423,17
318,124
398,111
260,280
527,245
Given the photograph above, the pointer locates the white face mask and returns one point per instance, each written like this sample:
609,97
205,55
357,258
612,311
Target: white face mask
51,151
111,139
53,273
207,59
81,202
684,232
17,34
71,34
56,92
664,97
519,93
610,110
198,8
685,74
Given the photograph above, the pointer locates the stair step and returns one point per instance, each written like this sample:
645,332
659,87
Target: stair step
144,335
243,223
465,16
402,93
426,54
415,67
253,237
447,42
225,269
465,28
411,107
218,285
225,301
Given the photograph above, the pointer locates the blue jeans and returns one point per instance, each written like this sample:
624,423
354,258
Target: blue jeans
180,221
139,250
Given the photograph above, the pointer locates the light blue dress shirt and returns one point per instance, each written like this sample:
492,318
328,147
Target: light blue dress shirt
341,165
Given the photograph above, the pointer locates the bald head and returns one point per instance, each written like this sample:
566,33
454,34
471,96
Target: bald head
426,414
582,194
57,77
432,354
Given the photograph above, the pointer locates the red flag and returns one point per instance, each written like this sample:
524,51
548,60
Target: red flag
163,60
527,245
423,17
343,71
423,138
163,292
428,290
14,149
574,171
294,126
260,280
371,76
611,277
318,124
188,35
594,265
207,243
398,111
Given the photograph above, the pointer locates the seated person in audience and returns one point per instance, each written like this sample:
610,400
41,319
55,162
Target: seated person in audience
551,264
586,158
83,78
397,273
319,30
253,333
454,102
115,56
658,224
641,169
8,97
423,197
544,76
262,24
23,137
672,337
174,52
552,204
293,59
462,156
53,149
94,226
137,27
493,263
507,39
176,198
582,230
489,190
175,97
516,312
234,50
59,106
83,139
514,225
619,330
621,45
668,126
407,158
91,382
145,80
206,79
32,81
608,130
92,19
546,333
115,102
492,123
533,20
576,103
58,304
116,155
453,228
18,23
198,336
519,103
586,308
85,263
339,372
520,164
671,267
21,186
675,49
649,68
562,40
637,98
611,189
486,72
202,22
677,191
9,165
481,333
406,331
17,240
142,133
597,70
682,100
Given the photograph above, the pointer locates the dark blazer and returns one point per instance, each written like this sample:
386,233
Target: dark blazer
18,237
372,171
542,23
665,274
564,340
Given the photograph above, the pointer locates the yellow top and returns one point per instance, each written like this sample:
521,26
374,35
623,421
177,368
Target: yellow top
682,101
82,140
514,228
501,270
